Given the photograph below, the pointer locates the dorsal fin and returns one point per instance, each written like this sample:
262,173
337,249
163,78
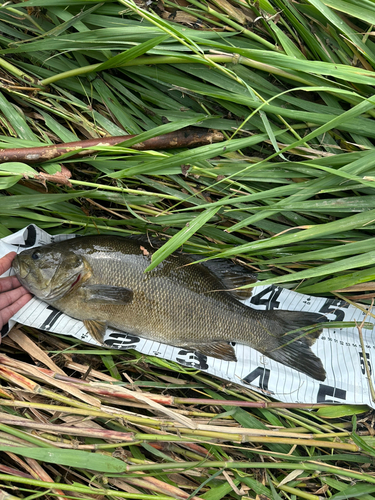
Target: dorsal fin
231,275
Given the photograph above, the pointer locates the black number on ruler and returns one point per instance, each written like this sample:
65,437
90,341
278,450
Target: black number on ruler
52,318
30,239
122,341
262,373
267,297
327,390
192,359
362,360
330,307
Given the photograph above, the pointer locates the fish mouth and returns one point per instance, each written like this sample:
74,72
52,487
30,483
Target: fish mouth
21,269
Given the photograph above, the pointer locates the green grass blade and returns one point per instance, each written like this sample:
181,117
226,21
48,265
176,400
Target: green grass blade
179,238
132,53
70,458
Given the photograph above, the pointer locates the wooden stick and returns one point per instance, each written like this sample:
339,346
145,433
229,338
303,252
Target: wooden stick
185,138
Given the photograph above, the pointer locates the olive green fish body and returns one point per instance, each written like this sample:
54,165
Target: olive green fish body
171,301
101,280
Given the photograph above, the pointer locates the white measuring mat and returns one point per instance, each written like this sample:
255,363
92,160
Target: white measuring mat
340,350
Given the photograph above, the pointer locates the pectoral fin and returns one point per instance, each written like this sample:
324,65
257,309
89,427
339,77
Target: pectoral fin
218,349
104,294
96,329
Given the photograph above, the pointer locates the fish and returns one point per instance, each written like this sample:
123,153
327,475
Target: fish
101,280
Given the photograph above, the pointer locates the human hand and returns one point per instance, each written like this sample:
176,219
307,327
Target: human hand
13,296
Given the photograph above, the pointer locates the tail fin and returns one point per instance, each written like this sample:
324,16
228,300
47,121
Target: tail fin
293,349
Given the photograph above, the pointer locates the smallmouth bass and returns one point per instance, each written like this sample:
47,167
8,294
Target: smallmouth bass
100,280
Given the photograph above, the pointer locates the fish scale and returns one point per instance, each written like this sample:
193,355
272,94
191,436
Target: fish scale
101,281
157,310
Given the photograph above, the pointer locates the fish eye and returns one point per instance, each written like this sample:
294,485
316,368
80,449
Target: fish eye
35,255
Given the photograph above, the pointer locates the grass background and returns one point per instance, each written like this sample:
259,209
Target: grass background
289,192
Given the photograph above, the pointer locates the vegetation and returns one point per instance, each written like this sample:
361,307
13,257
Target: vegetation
288,191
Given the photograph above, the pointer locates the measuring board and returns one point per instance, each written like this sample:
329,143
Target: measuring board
339,349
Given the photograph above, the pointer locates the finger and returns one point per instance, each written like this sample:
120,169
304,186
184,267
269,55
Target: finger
8,298
8,312
9,283
6,261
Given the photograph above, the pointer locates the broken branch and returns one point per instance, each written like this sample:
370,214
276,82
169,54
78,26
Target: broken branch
181,139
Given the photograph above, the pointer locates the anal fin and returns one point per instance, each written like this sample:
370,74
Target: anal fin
216,349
